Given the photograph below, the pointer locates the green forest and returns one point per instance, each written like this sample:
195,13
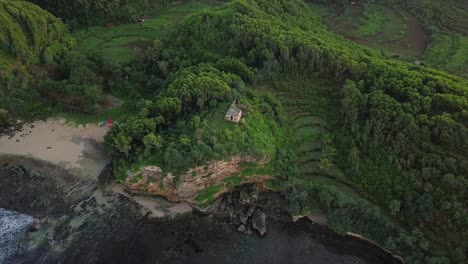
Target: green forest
79,13
362,126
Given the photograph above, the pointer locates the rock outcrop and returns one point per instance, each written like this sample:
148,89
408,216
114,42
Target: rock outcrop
259,222
246,210
150,180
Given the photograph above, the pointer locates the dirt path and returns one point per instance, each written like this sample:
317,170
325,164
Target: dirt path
75,148
415,36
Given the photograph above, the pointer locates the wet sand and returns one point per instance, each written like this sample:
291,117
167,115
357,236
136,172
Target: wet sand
75,148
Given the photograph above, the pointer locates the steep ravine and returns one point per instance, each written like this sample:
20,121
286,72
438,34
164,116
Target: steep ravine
83,221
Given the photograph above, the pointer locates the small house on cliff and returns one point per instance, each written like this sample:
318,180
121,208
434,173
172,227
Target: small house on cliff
234,113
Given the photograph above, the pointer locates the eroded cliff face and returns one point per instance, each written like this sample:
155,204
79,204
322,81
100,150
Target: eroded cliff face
85,222
150,180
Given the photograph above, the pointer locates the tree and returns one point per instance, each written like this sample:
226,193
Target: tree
153,141
123,143
394,207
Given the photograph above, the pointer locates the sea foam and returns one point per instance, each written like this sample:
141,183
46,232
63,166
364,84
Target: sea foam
13,228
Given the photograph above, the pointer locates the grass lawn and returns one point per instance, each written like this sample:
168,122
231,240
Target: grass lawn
309,120
458,64
385,28
372,21
309,134
441,50
116,114
209,195
216,119
312,167
454,13
310,156
120,43
448,52
381,23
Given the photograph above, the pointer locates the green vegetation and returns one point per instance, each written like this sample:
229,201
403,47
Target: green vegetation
168,130
448,52
91,12
30,33
401,88
441,14
401,29
379,25
117,114
372,21
208,196
121,43
377,144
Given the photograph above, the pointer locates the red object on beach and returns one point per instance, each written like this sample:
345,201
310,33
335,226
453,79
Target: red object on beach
109,122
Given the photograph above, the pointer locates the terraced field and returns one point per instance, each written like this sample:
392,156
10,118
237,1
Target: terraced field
448,52
120,43
311,124
388,28
310,130
452,14
395,31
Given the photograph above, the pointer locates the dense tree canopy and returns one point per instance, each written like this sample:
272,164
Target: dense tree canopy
91,12
31,34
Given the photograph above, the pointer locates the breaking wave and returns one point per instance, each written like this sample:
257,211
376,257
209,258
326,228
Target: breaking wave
13,228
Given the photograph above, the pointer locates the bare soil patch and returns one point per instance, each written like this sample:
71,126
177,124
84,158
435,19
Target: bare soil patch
415,36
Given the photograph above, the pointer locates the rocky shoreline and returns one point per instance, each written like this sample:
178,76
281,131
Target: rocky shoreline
84,221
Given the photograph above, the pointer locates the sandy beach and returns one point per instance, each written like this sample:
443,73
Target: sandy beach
75,148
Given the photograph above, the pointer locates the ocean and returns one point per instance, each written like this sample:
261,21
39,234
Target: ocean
13,228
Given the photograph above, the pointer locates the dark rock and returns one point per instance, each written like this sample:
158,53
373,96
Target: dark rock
241,228
251,210
244,218
34,228
106,177
259,222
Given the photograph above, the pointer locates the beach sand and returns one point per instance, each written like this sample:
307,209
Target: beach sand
76,148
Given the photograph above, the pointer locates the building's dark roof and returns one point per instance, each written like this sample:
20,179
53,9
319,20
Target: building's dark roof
233,111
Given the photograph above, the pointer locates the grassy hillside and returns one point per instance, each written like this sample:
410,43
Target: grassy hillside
92,12
428,31
448,15
380,25
120,43
31,34
29,38
448,52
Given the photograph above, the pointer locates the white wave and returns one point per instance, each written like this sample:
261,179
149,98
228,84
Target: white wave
13,228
